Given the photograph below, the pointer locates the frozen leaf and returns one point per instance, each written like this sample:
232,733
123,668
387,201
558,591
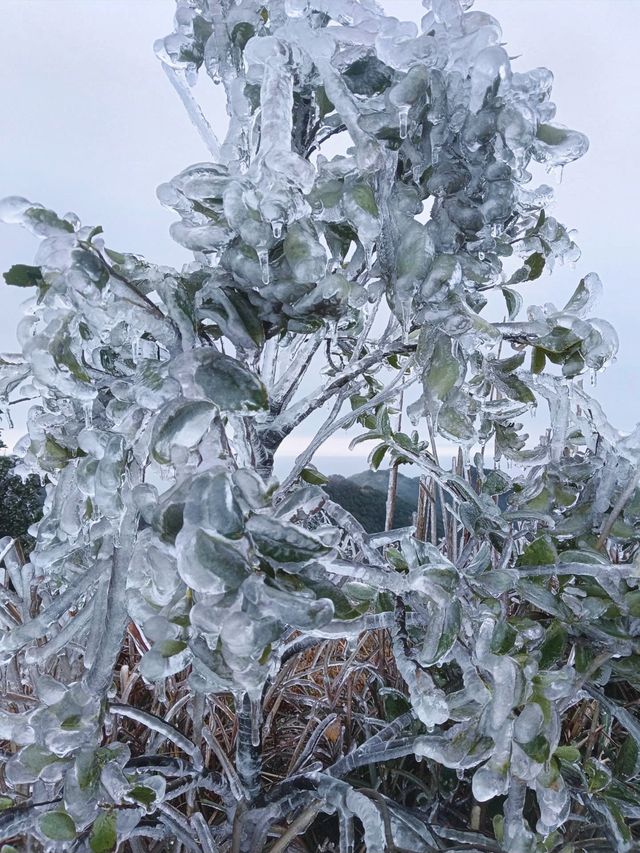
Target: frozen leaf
57,826
283,542
22,275
103,837
208,563
181,424
217,377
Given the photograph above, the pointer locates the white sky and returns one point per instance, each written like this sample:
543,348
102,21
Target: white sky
89,123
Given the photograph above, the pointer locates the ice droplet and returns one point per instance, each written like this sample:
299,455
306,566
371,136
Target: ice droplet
263,258
12,209
296,8
403,121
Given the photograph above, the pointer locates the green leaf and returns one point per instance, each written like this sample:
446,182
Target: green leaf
236,317
443,370
36,758
627,765
282,541
618,824
570,754
513,300
598,774
552,648
455,424
503,639
515,388
450,629
143,794
325,106
211,505
232,387
540,552
23,275
632,600
103,837
537,749
305,255
43,220
210,564
363,196
367,76
395,703
58,826
241,34
168,648
538,360
552,135
377,455
5,803
535,263
496,483
182,423
311,475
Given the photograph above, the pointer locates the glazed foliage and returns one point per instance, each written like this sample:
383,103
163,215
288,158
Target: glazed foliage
199,654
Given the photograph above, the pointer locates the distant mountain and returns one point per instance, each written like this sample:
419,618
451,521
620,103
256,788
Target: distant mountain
364,495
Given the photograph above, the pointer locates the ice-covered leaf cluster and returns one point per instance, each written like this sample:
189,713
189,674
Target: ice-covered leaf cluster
376,180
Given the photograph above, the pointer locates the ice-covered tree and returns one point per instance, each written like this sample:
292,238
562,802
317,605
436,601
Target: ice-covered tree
375,185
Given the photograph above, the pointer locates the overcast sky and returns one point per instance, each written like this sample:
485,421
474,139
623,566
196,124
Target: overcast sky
90,124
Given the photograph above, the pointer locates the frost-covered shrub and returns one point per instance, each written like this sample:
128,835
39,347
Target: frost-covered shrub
441,682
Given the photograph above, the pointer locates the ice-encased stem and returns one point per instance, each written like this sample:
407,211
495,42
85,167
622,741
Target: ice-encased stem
276,100
248,760
156,724
178,80
100,674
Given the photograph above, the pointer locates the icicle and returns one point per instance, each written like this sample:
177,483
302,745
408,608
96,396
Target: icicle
368,255
593,377
256,721
178,81
276,227
346,832
403,120
88,414
263,257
